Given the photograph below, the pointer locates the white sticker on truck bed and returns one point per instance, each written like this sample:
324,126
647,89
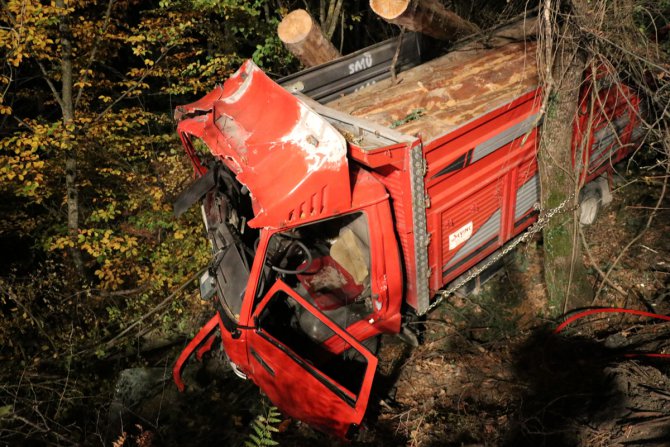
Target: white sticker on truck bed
459,236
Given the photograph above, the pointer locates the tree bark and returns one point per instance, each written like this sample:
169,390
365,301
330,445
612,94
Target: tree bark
329,21
564,270
67,108
304,38
429,17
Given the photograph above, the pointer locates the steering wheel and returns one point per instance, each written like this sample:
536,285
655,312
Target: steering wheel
303,269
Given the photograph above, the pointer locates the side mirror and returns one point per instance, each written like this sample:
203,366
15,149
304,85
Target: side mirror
207,285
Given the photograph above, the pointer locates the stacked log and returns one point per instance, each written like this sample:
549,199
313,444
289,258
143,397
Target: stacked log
429,17
303,37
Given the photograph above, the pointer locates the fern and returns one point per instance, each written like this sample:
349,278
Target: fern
262,428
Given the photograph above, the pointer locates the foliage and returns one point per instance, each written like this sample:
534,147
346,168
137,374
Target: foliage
130,63
263,427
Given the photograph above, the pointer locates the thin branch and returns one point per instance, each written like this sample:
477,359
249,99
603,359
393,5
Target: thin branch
624,50
329,16
594,264
23,123
55,93
396,55
45,430
69,370
341,33
40,326
322,11
158,307
640,234
131,89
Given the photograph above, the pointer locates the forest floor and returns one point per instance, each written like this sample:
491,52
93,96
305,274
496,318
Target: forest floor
490,371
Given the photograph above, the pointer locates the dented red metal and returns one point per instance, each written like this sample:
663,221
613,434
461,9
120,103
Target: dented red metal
293,162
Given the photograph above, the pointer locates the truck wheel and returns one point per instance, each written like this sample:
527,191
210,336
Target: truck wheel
408,336
372,344
589,206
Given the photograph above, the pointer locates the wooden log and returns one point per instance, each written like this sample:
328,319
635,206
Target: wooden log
304,38
429,17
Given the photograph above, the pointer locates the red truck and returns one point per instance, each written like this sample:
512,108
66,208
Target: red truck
331,223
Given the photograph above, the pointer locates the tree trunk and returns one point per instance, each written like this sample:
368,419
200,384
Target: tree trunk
67,107
564,270
330,18
429,17
304,38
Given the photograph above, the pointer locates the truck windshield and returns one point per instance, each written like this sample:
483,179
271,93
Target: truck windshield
226,209
327,263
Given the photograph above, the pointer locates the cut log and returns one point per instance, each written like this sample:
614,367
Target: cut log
304,38
429,17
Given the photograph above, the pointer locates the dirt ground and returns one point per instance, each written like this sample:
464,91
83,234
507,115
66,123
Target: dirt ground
490,371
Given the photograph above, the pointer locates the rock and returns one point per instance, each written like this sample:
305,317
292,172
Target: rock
133,386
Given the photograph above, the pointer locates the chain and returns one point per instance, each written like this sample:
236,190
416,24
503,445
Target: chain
541,222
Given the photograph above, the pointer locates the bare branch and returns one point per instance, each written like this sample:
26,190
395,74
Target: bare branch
54,92
641,233
156,308
594,264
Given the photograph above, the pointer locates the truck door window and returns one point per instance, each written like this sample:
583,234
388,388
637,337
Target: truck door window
327,263
341,373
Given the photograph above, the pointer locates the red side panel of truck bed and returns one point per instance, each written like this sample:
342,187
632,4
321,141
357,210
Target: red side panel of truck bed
475,176
477,113
482,179
610,121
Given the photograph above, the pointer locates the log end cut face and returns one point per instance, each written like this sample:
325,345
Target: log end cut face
389,9
295,27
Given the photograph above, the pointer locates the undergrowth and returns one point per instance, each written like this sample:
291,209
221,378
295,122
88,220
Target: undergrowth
263,427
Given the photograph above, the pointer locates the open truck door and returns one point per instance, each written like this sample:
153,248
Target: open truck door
326,387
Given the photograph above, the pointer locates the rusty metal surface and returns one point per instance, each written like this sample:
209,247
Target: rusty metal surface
432,99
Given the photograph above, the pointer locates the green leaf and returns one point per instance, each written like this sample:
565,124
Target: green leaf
259,431
5,411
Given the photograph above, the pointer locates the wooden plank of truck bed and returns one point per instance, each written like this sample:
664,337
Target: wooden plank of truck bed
447,92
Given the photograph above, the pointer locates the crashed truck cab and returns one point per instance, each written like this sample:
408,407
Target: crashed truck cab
305,265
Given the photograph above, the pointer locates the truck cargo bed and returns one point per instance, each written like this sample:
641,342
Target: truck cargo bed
454,141
437,97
